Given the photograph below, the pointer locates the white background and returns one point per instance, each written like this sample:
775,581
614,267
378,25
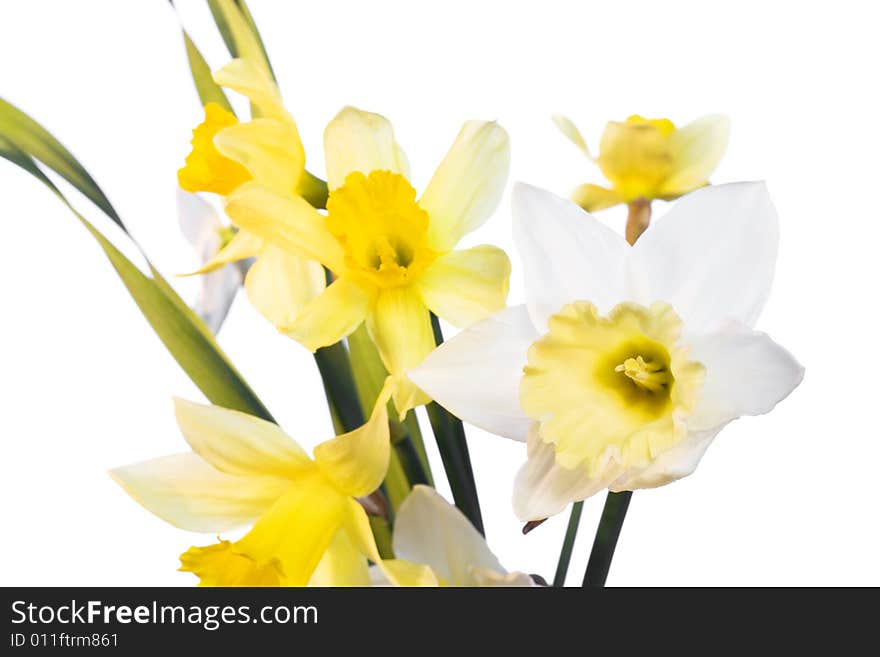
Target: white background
788,498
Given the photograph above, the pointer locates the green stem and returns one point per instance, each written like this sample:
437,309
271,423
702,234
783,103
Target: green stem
369,376
407,454
452,444
336,374
382,533
568,544
607,534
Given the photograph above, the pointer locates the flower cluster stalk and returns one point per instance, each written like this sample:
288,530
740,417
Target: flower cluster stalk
616,504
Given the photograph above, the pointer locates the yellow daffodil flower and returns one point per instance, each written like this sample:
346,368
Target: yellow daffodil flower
245,471
434,545
646,159
627,360
267,149
391,253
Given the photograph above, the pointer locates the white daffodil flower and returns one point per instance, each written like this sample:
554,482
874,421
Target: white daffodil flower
436,545
626,361
203,229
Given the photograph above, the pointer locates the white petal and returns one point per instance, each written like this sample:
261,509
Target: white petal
199,223
219,288
186,491
428,530
746,374
567,254
238,443
712,256
673,464
476,374
490,578
544,488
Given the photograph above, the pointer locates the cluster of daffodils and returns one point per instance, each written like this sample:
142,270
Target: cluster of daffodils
624,363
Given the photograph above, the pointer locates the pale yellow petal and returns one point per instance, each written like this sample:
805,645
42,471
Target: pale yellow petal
400,327
286,221
298,529
569,129
593,197
240,444
220,565
242,246
357,461
280,284
186,491
341,565
696,150
464,287
269,149
250,80
405,573
361,141
407,395
467,186
330,316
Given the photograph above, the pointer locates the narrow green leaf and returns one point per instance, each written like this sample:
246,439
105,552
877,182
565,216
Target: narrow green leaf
452,445
248,17
208,90
369,376
182,332
33,140
239,33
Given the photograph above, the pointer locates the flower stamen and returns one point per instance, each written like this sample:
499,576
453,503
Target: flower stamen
649,375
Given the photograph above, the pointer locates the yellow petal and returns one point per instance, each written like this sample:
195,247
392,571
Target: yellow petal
240,444
219,565
357,526
286,221
206,170
280,284
593,197
242,246
330,316
341,565
186,491
298,529
269,149
361,141
696,150
467,185
357,461
466,286
250,80
570,130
